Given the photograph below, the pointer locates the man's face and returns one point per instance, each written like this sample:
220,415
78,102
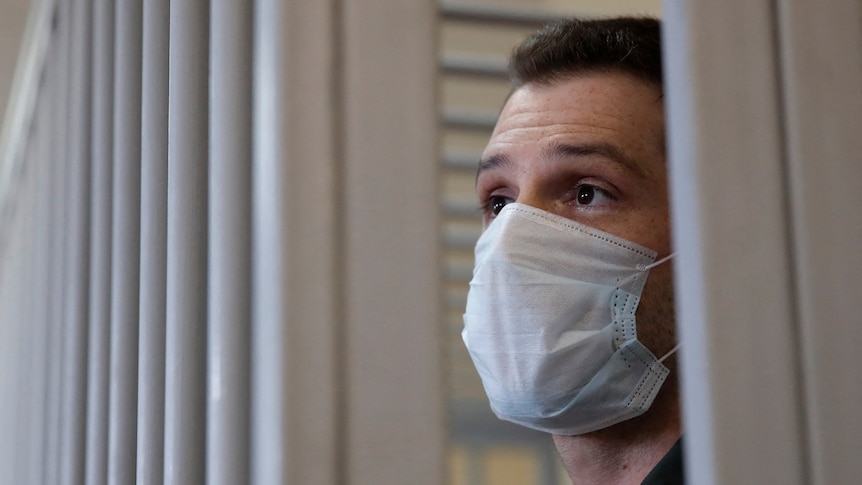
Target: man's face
591,149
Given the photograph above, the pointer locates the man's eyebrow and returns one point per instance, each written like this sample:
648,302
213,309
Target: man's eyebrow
494,161
569,150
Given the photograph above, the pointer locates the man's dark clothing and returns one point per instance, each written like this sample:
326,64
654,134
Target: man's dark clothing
669,471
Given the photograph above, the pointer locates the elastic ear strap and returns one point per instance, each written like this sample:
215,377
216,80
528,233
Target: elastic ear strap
644,267
670,352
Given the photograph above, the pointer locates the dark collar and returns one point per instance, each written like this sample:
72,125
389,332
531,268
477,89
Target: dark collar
668,471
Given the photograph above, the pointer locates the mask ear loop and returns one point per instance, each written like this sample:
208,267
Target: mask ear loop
644,267
670,352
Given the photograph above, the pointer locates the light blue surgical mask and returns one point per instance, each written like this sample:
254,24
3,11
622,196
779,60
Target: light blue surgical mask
550,323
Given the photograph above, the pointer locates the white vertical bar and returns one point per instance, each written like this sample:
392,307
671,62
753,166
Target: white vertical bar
268,444
29,448
229,284
59,199
100,248
734,289
16,323
297,296
823,102
10,270
154,202
74,371
390,220
14,317
11,411
268,373
10,369
33,463
19,297
125,251
17,262
185,384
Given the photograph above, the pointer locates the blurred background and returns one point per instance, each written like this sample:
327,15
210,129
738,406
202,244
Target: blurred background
13,20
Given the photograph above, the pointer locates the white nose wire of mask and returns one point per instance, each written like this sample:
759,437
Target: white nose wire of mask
671,352
644,267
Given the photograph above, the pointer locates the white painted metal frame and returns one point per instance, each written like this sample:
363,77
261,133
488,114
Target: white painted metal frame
154,221
297,297
102,148
187,232
230,228
822,95
347,343
346,354
764,105
393,331
77,257
126,243
58,92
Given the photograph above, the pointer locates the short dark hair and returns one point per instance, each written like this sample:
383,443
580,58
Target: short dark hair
569,47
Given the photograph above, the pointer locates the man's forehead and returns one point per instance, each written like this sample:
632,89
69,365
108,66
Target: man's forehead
606,105
611,115
604,93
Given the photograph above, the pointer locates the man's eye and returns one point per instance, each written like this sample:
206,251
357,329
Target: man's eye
495,203
591,195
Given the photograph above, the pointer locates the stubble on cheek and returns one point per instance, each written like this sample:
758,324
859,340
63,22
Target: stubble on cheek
655,318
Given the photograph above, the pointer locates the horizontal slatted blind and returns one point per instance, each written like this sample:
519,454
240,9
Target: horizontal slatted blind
475,41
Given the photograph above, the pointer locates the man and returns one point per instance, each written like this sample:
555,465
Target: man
562,322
